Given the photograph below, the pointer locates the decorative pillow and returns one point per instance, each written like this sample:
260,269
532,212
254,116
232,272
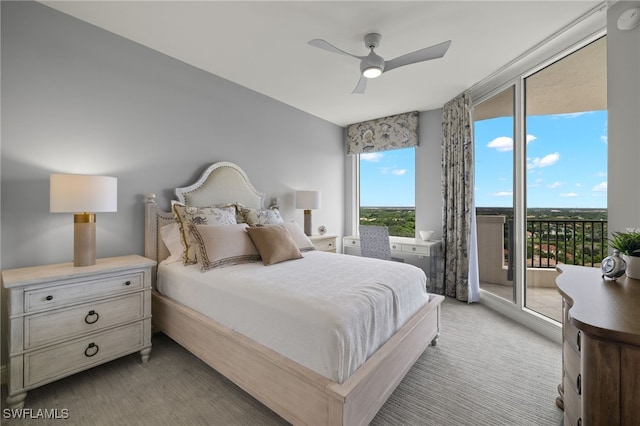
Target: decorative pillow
186,215
170,235
254,217
221,246
274,243
302,241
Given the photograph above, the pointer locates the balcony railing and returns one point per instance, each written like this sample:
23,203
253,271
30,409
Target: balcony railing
573,242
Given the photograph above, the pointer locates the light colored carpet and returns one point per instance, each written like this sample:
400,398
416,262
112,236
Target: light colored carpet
486,370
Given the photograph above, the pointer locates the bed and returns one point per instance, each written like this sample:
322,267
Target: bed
300,393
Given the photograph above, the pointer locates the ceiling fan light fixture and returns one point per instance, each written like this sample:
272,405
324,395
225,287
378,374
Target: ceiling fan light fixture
372,72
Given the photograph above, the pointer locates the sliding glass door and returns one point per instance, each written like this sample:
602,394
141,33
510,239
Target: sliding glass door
540,171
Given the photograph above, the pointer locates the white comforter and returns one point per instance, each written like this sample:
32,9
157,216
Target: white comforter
328,312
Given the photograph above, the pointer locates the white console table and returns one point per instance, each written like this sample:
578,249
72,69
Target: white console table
415,251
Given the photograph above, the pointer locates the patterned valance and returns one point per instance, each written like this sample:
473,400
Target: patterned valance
381,134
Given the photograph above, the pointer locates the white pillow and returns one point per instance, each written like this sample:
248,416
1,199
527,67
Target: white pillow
302,241
170,235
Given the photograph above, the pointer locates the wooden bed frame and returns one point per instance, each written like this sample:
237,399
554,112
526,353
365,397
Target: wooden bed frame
296,393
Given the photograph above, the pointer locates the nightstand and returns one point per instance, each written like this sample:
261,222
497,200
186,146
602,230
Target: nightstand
324,242
65,319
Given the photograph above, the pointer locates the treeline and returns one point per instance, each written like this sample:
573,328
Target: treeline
401,221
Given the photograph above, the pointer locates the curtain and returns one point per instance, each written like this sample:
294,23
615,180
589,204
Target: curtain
394,132
459,256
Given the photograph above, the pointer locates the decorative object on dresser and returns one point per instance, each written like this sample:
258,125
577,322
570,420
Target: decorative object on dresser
83,195
64,319
307,200
600,348
324,242
628,244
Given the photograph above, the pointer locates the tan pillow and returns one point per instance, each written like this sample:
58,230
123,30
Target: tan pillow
223,245
274,243
302,241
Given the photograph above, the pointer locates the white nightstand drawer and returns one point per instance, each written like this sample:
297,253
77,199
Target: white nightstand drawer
62,360
325,245
41,329
60,295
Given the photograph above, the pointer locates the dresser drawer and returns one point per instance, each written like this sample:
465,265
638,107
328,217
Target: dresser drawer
62,360
61,295
572,405
47,327
572,375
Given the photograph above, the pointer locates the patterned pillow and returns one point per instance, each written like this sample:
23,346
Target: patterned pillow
222,246
187,215
253,217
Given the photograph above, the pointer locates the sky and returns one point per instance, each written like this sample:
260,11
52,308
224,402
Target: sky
566,161
387,178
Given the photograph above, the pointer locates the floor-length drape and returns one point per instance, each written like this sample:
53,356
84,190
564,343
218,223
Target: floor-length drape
457,190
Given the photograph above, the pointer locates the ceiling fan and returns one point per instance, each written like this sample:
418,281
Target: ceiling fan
372,65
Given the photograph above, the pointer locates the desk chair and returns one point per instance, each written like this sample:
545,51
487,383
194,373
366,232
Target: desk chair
374,242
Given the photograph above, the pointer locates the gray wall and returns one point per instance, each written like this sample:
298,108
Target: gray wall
78,99
623,92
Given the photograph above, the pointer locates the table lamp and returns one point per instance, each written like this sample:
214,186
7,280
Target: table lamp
84,196
307,200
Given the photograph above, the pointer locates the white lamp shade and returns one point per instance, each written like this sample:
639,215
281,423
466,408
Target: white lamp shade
83,193
308,200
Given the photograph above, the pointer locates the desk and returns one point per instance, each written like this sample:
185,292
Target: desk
423,254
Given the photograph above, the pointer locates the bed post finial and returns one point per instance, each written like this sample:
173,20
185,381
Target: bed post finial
151,197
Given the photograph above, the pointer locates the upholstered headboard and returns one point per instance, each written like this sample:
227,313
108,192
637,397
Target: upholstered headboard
221,183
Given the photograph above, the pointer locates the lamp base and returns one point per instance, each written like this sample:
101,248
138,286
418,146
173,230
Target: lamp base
84,239
307,222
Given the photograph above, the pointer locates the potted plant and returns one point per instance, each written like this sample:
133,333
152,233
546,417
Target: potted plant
628,244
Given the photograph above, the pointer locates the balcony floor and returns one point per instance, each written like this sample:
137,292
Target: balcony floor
546,301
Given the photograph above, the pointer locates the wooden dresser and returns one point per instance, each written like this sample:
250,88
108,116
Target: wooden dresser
601,348
65,319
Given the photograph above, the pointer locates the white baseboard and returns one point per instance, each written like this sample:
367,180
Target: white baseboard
3,374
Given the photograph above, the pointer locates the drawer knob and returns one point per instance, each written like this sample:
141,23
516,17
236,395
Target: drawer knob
127,283
91,350
49,297
92,314
578,340
413,248
353,242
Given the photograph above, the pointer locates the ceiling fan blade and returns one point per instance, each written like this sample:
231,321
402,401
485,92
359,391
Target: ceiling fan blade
362,84
426,54
322,44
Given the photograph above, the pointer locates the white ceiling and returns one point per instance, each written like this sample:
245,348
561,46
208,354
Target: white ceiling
262,45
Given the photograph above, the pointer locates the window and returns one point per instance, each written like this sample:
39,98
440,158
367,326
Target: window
388,190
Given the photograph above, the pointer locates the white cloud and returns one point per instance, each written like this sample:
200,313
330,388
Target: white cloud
546,161
555,185
571,114
604,138
373,157
501,143
601,187
570,195
502,194
399,172
531,138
